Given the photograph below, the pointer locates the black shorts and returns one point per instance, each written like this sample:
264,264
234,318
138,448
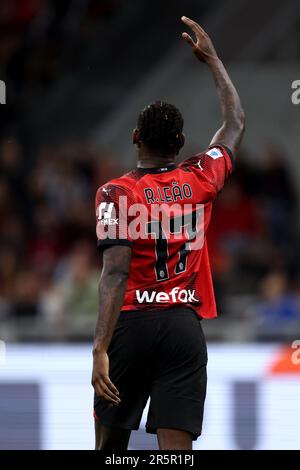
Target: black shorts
159,354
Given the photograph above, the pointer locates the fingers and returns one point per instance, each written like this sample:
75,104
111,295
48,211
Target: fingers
188,39
110,385
105,389
193,25
111,394
105,395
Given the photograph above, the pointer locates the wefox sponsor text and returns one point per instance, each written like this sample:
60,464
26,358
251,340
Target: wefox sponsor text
175,295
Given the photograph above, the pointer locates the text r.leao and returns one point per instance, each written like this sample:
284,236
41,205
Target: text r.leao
168,193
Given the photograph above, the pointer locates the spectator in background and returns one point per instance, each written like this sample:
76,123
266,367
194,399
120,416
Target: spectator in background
12,169
235,236
278,309
70,302
9,266
277,195
26,294
46,242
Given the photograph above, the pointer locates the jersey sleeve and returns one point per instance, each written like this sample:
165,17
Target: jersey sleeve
112,220
213,166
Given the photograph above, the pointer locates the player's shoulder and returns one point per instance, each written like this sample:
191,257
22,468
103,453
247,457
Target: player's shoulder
121,185
214,152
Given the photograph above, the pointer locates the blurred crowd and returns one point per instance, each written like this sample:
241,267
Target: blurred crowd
253,241
40,40
49,267
48,262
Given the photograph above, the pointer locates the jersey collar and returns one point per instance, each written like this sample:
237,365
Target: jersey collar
162,169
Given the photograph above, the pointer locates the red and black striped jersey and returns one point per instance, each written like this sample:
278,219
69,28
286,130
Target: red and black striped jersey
163,215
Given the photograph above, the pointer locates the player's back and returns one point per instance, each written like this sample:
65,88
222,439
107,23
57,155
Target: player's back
163,214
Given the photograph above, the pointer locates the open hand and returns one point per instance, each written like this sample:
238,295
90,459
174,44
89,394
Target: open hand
203,47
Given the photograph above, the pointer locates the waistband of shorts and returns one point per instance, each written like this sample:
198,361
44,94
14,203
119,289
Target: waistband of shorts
157,313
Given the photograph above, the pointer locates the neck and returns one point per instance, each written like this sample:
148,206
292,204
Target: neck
155,160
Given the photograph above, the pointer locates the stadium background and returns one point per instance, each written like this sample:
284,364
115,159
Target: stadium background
77,73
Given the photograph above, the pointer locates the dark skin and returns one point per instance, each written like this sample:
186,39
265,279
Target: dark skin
112,287
232,129
116,259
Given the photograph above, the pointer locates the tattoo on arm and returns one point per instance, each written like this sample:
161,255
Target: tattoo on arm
231,132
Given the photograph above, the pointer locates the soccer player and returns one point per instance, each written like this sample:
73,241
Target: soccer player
156,284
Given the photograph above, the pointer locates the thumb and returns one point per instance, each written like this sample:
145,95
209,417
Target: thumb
188,39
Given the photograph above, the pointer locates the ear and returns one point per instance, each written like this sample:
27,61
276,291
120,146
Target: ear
181,139
136,137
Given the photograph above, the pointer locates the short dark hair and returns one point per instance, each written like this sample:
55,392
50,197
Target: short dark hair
160,127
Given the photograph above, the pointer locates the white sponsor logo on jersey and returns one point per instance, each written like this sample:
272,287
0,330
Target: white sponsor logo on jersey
105,213
175,295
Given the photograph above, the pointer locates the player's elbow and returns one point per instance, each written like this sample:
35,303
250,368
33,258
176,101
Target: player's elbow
234,126
235,122
242,120
239,120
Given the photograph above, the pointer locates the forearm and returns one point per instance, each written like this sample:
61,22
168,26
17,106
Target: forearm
232,129
111,296
112,287
232,111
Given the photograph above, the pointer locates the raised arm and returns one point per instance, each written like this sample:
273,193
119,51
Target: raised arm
231,132
112,287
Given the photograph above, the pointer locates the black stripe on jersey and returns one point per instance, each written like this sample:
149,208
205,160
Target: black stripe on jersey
232,159
162,169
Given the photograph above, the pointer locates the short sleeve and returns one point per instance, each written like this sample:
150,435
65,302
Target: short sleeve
213,165
111,208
